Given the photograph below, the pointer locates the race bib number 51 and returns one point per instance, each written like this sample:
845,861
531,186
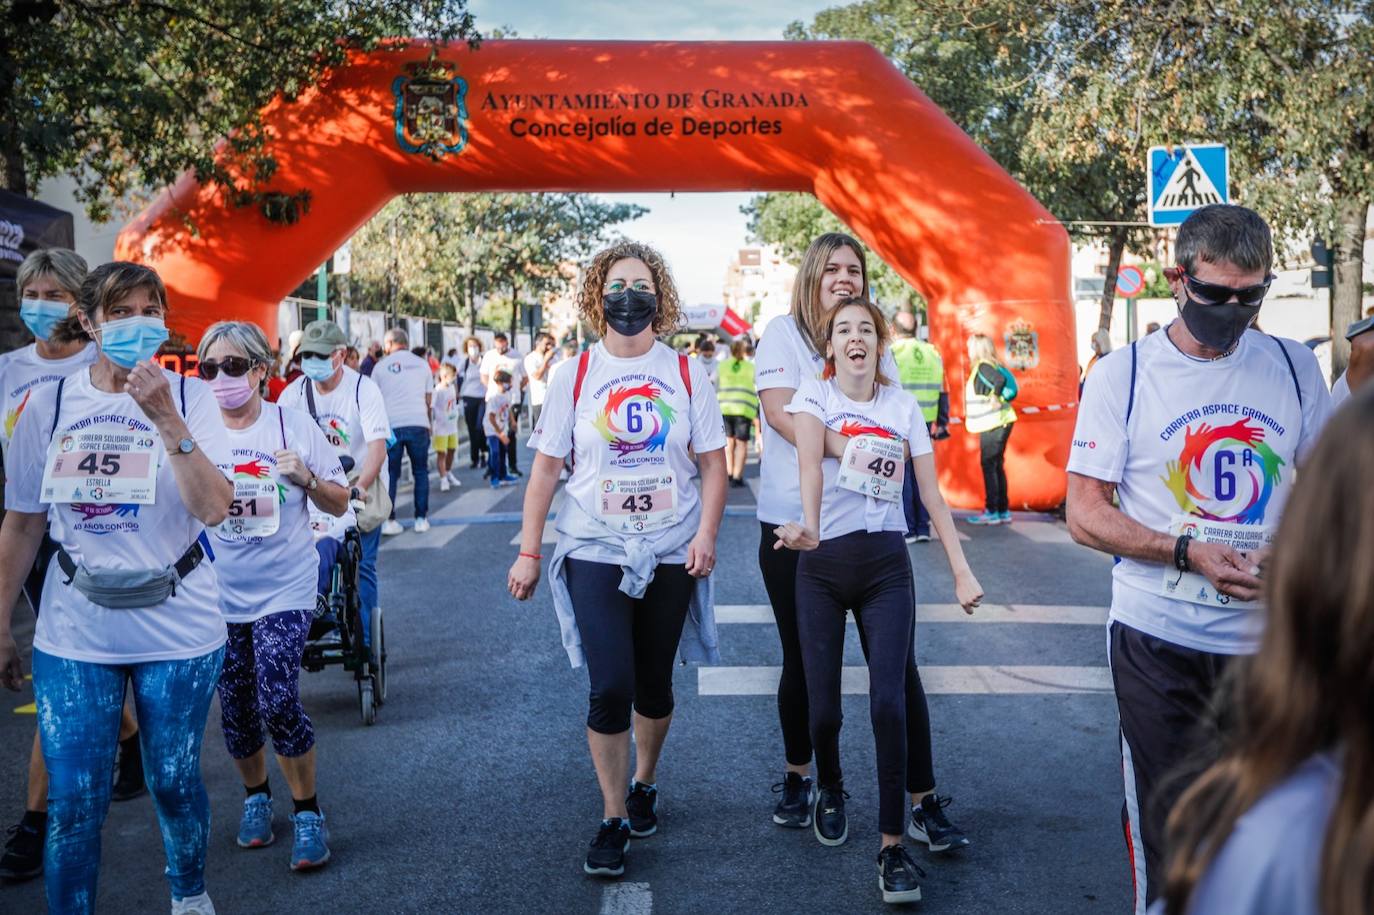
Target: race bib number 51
254,511
102,466
874,467
638,505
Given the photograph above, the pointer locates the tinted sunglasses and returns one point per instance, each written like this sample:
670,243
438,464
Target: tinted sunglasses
1216,294
233,366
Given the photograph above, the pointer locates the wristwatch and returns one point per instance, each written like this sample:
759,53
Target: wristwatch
186,446
314,483
355,494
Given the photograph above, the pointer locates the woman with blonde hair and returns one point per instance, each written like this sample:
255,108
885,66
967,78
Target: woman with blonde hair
988,413
1284,821
636,538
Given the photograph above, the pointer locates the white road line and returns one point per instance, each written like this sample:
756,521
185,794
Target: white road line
754,483
949,613
476,501
627,899
970,680
1041,531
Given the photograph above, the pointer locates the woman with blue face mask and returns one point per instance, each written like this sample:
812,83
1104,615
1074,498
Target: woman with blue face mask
49,282
122,456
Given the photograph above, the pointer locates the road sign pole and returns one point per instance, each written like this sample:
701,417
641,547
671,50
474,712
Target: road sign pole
322,295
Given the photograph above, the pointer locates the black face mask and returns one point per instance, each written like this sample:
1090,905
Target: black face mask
630,311
1217,327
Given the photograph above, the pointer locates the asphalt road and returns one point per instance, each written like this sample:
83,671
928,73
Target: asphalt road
474,791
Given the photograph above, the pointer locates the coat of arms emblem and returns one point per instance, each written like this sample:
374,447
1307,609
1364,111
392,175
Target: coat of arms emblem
1022,345
431,109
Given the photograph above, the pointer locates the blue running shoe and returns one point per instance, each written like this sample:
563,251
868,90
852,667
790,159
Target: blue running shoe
1004,518
309,849
986,518
255,829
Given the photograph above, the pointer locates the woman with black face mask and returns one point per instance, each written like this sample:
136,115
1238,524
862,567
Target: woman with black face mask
631,573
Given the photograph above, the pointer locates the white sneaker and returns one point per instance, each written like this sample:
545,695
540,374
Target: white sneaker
454,480
444,484
391,527
421,525
194,905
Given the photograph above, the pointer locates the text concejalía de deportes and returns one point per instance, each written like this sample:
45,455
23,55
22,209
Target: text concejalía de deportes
591,129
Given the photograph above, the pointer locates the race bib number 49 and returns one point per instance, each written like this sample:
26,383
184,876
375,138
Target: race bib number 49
1195,588
874,467
638,505
254,511
102,466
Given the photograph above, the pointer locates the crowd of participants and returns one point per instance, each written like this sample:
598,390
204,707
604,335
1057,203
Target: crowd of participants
1239,632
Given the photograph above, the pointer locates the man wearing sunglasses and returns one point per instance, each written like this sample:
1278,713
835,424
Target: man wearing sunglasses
1196,431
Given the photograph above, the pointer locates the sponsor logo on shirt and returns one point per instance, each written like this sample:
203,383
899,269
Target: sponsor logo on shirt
1084,443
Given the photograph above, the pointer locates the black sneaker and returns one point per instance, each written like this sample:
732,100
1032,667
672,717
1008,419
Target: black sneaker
128,783
930,825
515,473
23,857
606,858
642,805
798,797
899,877
831,825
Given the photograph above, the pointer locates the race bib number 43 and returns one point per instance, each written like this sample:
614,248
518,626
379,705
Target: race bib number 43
102,466
638,505
1195,588
874,467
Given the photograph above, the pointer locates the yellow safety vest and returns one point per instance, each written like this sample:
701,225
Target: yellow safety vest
985,412
737,395
922,373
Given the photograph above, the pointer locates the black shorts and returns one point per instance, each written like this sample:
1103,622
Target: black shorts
739,427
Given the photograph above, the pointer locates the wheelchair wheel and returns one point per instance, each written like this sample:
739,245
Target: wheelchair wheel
367,705
379,652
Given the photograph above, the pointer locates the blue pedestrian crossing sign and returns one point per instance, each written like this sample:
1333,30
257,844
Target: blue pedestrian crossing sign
1183,178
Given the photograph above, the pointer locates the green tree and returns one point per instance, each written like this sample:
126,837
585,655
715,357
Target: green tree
127,95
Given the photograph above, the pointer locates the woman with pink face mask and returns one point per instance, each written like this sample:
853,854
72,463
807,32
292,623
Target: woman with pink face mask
282,468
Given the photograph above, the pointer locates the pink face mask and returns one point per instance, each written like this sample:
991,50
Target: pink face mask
231,392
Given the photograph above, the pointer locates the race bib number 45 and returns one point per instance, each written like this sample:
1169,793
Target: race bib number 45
638,505
873,466
102,466
1195,588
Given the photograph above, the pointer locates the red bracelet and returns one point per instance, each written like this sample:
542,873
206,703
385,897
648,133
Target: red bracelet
532,555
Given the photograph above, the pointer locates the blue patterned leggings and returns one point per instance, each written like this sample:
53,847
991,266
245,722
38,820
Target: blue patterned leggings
261,684
79,707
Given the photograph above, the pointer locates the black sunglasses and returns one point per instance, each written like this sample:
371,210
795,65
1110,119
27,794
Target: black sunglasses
233,366
1216,294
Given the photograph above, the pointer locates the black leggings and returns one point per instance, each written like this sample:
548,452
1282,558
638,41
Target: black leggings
779,568
992,449
870,573
629,643
472,417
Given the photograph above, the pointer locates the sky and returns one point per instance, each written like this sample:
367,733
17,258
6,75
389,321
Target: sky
697,233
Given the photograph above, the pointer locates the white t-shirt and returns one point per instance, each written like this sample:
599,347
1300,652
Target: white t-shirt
538,389
633,421
783,360
258,575
512,362
470,379
712,367
23,369
892,414
444,409
1210,445
496,416
110,536
1340,391
404,379
350,416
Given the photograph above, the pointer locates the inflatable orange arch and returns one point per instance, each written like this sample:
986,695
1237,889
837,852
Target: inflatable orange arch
835,119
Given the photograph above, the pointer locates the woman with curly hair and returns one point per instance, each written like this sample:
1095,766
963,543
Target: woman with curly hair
1284,821
636,540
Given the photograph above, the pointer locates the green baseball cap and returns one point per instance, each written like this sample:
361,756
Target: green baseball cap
321,338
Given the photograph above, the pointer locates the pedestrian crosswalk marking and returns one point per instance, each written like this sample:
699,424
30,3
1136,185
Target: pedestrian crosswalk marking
951,680
949,613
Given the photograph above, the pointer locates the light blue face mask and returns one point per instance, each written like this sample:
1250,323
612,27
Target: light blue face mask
317,368
130,341
40,316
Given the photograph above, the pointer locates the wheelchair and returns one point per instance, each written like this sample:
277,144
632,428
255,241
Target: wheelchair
336,632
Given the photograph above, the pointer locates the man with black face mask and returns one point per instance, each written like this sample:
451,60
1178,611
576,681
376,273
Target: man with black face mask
1197,432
